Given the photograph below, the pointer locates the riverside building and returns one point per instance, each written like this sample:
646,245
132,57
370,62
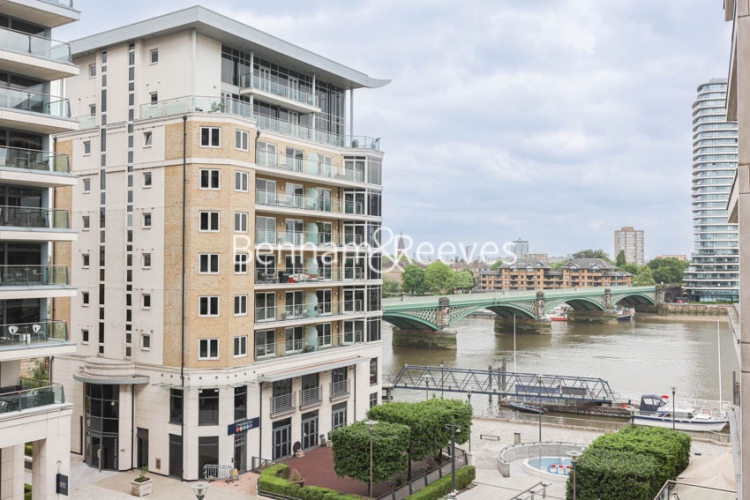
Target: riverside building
35,244
228,261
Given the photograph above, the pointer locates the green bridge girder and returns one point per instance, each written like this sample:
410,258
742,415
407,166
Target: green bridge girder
424,313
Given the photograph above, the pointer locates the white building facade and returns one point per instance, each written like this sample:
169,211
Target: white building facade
228,262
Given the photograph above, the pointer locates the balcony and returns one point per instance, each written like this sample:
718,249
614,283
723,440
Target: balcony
286,202
296,277
340,390
35,112
310,397
318,168
48,13
29,394
34,168
297,346
34,224
323,310
45,337
23,282
309,239
35,56
282,404
279,93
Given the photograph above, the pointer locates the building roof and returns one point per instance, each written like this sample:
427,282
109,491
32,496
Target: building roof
235,34
589,264
524,263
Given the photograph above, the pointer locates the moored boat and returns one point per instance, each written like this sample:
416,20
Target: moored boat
527,407
655,412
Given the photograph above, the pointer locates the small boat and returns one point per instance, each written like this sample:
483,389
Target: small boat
625,314
655,412
558,314
528,408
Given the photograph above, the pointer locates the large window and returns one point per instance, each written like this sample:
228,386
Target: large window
265,344
103,408
208,407
240,403
373,371
324,335
175,406
338,415
240,346
208,452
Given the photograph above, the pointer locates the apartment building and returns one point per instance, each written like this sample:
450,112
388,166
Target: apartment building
530,274
35,243
632,242
228,263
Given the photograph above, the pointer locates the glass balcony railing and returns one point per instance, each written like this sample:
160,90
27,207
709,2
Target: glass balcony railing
271,276
313,203
311,239
35,45
86,122
61,3
36,218
33,275
310,167
297,346
18,334
22,397
281,89
34,102
29,159
304,311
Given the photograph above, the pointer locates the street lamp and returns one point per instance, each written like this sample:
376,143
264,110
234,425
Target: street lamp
540,420
574,460
371,424
442,379
468,395
673,391
427,379
199,489
454,429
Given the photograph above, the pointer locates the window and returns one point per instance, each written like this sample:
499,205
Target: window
86,222
87,185
92,109
85,336
92,70
240,305
146,261
240,403
145,342
208,349
373,399
146,301
240,181
146,179
338,415
147,220
85,260
240,346
209,307
208,406
373,371
209,221
85,298
154,56
209,263
148,137
240,222
154,97
210,178
324,335
86,147
210,137
265,344
240,263
240,140
175,406
266,154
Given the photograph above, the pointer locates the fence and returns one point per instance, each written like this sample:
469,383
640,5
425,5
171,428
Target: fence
427,478
212,471
257,464
539,488
676,489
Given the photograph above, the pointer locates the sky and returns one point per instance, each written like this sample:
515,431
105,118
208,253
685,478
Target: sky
555,121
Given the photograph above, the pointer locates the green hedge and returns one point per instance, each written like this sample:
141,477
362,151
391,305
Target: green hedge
615,475
442,487
275,479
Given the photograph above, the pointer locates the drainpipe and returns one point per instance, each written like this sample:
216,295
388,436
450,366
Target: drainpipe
257,136
355,392
182,301
260,425
132,423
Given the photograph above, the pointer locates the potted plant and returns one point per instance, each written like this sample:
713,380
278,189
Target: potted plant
142,485
296,478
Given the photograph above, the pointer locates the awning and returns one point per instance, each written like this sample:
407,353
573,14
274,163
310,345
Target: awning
124,380
301,371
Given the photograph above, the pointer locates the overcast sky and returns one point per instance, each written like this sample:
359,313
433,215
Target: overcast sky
551,120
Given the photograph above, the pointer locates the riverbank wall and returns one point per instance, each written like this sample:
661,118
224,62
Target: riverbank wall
694,310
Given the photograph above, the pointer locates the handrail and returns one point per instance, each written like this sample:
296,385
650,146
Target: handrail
33,217
23,275
35,102
31,159
670,485
35,45
530,491
24,399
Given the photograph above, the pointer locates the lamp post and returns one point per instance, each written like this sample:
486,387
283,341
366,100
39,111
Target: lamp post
454,429
199,489
442,379
574,460
426,379
673,391
469,396
540,420
371,424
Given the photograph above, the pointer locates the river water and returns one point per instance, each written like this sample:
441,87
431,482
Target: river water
644,356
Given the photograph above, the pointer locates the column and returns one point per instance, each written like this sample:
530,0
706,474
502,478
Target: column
11,461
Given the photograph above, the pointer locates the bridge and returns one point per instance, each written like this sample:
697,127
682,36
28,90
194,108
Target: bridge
438,314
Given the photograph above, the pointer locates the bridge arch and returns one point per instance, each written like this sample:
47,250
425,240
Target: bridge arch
585,304
632,299
504,311
408,322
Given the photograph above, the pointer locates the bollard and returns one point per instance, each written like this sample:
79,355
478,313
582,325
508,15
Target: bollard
516,438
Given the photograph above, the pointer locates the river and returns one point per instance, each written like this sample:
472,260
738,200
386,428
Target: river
644,356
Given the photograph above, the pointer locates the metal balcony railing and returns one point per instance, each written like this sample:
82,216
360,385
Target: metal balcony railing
272,276
22,398
313,203
34,102
317,167
33,275
281,89
339,389
35,45
41,218
29,159
14,334
282,404
311,397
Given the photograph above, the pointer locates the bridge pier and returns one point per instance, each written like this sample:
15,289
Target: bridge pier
608,316
424,339
523,325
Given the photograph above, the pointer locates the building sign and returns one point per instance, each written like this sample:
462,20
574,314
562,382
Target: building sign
244,425
62,484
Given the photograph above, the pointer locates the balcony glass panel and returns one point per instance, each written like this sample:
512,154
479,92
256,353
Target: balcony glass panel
29,159
37,46
33,275
24,334
23,398
38,218
34,102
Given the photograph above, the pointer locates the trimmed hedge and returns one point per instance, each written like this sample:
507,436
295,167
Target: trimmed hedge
615,475
441,487
275,479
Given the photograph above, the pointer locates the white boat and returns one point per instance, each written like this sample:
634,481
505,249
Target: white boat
656,412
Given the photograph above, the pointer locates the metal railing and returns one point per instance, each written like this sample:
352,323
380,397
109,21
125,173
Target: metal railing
303,311
427,478
35,45
302,346
339,389
317,167
214,471
24,399
280,89
34,102
14,334
313,203
282,404
31,217
29,159
678,487
532,493
311,397
272,276
312,239
33,275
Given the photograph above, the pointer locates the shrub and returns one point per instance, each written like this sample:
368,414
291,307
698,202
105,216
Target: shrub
275,479
615,475
442,487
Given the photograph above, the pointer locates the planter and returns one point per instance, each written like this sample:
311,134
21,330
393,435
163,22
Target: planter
141,488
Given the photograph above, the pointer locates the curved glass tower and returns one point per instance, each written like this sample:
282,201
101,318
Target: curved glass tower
714,273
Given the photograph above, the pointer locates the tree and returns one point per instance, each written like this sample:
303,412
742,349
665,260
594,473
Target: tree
439,278
669,270
621,260
390,287
351,451
592,254
496,265
630,268
644,277
39,373
413,280
557,265
464,280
